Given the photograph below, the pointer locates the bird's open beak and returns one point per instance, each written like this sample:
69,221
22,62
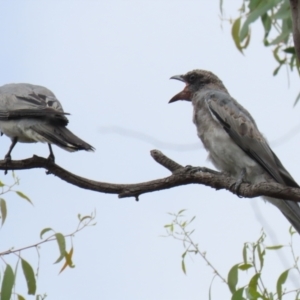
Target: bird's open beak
185,94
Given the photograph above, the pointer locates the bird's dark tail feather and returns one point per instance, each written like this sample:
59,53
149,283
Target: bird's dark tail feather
292,213
61,137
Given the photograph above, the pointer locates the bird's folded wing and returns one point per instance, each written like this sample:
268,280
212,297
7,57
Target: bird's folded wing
28,104
240,126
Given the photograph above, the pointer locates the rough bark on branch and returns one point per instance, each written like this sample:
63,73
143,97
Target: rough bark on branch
180,176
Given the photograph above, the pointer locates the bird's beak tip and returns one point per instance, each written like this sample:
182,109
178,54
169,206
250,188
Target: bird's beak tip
178,77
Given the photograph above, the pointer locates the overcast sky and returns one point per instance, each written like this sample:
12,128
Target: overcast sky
109,63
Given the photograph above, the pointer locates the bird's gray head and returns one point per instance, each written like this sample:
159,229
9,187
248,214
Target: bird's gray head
195,81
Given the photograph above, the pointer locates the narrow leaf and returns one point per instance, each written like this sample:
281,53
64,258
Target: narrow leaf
267,22
181,211
29,276
245,253
280,38
281,280
274,247
290,50
192,219
254,281
210,286
7,283
253,4
260,255
283,12
253,294
291,231
68,262
3,210
183,266
232,278
253,16
238,295
84,218
23,196
245,267
20,297
235,30
277,70
44,231
61,245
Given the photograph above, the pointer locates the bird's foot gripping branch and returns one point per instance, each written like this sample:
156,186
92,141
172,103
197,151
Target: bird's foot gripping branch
180,176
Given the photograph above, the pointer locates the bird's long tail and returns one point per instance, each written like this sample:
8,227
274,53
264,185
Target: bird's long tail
61,136
290,209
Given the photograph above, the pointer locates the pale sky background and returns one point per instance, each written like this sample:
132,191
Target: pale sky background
109,63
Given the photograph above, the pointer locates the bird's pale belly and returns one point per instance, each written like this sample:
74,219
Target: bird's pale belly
19,129
227,156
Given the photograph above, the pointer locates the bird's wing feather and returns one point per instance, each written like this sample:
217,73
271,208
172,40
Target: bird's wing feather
240,126
29,101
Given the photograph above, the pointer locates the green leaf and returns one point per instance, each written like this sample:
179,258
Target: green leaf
277,70
7,283
281,280
44,231
290,50
2,184
245,267
183,266
267,23
254,281
68,261
261,255
20,297
253,4
253,294
181,211
254,15
283,12
274,247
192,219
238,295
232,278
221,6
3,210
280,38
29,276
245,253
62,246
291,231
23,196
84,218
210,286
235,30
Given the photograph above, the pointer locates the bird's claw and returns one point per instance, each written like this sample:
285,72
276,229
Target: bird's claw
51,160
192,170
7,159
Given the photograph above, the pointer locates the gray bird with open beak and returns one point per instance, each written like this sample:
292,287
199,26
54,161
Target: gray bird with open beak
230,135
31,113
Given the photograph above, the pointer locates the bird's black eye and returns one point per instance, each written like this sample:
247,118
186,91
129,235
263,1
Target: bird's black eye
192,78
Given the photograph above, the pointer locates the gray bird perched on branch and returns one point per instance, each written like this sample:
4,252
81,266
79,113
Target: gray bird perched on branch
230,135
31,113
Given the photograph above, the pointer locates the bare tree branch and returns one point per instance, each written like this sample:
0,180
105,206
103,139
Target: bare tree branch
180,176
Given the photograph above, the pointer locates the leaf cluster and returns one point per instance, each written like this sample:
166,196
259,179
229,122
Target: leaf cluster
275,17
252,265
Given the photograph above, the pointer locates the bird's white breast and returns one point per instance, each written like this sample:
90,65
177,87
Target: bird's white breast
226,155
21,129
